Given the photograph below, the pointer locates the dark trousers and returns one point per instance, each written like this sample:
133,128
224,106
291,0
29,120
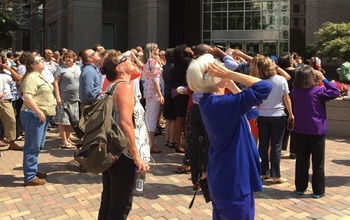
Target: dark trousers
308,145
271,130
199,145
17,105
117,194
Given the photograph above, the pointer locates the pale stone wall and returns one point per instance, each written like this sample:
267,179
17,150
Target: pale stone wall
338,114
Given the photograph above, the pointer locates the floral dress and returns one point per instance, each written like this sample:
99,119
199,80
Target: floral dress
152,72
141,133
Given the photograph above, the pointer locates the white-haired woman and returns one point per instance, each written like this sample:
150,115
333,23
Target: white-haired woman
233,166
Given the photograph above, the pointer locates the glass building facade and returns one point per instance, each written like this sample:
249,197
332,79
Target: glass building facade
250,25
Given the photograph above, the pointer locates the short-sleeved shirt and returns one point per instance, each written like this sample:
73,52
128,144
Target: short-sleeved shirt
69,82
5,81
41,91
273,106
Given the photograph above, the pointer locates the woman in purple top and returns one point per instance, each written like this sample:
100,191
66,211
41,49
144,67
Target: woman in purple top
310,127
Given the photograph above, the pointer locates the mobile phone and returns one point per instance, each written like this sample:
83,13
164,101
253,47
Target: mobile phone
290,125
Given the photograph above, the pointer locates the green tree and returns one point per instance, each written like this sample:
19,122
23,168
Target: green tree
333,40
7,24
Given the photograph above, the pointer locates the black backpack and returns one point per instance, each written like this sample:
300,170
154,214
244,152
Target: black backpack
103,141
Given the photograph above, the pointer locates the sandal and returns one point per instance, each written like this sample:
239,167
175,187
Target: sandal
3,144
172,144
182,170
180,150
68,146
166,143
72,143
155,150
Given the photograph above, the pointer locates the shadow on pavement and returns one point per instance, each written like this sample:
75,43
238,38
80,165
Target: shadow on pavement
342,162
10,181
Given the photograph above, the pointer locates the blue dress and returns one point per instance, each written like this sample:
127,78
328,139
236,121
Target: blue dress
233,166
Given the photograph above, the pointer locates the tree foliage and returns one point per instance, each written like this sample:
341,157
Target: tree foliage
7,24
333,40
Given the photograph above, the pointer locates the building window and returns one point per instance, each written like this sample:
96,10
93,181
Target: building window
236,21
296,22
219,21
296,8
53,35
253,20
108,34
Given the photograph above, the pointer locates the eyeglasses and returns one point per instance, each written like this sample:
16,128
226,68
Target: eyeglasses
116,63
39,61
121,60
93,54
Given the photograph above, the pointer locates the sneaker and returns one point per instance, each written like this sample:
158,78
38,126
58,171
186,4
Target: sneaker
14,146
41,175
317,196
35,182
300,193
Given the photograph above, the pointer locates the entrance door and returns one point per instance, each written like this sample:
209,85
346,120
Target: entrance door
252,47
270,48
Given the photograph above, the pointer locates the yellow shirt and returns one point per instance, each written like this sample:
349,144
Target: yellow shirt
41,91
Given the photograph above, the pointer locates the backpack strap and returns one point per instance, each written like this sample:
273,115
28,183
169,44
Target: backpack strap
113,87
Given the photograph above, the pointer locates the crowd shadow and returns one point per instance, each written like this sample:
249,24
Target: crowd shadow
10,180
342,162
336,181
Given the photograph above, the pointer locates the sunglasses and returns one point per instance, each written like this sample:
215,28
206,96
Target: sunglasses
39,61
116,63
121,60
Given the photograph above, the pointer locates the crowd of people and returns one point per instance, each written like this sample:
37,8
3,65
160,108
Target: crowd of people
226,111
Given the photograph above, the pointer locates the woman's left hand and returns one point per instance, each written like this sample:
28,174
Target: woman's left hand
142,166
161,100
217,70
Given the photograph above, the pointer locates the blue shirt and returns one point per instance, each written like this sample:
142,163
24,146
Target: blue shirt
89,84
234,165
230,63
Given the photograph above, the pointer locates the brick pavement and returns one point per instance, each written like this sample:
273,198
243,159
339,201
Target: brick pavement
69,194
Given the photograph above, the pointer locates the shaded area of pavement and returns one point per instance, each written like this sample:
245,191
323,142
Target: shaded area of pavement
69,194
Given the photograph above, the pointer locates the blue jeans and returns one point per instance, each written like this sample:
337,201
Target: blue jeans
34,140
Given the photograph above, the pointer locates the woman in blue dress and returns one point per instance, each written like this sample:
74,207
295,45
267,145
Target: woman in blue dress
233,166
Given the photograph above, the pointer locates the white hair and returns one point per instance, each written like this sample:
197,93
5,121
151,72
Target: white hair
197,77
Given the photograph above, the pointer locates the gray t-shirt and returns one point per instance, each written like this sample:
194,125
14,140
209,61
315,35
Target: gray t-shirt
69,82
273,106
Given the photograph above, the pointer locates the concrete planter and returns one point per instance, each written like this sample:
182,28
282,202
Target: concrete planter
338,114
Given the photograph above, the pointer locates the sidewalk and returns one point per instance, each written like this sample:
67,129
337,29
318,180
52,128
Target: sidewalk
69,194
